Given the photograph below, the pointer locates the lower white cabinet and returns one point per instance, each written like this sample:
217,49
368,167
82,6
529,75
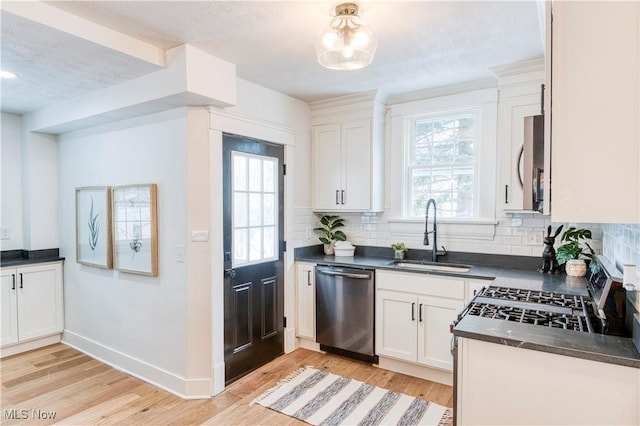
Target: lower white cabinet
32,304
506,385
413,315
306,300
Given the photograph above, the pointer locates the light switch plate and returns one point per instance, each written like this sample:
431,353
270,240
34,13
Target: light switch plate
180,253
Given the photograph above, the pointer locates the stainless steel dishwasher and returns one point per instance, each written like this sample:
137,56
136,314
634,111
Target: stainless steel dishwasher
345,311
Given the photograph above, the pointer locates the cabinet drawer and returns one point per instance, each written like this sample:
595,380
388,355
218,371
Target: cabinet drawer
426,284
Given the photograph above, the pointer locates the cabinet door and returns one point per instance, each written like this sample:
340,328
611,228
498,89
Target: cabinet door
595,125
513,110
327,167
9,314
356,165
306,301
396,324
40,308
435,315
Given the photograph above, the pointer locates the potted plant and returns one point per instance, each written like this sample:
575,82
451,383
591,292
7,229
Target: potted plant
399,249
330,233
573,252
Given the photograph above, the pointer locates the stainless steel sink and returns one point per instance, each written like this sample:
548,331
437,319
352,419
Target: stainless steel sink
431,266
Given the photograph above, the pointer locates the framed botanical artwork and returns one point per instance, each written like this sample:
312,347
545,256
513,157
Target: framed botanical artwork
135,229
93,226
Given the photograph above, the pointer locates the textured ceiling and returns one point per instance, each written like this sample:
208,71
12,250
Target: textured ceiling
423,44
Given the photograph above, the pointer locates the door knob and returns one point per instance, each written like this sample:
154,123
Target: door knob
230,273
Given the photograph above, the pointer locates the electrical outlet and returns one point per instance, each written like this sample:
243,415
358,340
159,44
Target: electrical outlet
4,234
533,238
309,233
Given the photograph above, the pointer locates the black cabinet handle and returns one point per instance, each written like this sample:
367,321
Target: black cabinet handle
342,197
420,313
413,312
506,194
21,281
13,281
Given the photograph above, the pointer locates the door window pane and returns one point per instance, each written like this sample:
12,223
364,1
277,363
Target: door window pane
254,209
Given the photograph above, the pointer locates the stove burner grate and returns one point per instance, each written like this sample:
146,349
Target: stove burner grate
530,316
542,297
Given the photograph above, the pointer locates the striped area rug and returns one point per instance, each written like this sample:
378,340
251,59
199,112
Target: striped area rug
322,398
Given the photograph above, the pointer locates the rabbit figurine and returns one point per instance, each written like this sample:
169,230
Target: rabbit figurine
549,262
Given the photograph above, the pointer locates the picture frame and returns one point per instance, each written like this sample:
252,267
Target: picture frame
135,229
93,226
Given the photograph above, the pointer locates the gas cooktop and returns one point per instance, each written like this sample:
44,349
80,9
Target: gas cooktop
539,308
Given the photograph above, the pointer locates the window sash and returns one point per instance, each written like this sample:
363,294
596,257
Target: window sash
429,168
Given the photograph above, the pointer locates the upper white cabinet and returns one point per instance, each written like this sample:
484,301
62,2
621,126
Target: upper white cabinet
520,96
595,101
32,304
347,155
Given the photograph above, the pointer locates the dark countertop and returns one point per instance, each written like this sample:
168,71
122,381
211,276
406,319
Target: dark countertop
29,257
577,344
507,271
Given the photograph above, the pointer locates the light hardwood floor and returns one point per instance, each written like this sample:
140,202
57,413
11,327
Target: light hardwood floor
80,390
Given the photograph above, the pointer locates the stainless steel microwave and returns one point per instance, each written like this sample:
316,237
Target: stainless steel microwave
531,169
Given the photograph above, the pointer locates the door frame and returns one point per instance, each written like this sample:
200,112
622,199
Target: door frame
224,122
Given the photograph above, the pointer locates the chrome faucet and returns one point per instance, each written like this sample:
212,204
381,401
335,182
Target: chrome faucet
434,250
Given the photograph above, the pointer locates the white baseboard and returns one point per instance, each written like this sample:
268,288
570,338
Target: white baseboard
423,372
308,344
29,345
289,339
184,388
218,378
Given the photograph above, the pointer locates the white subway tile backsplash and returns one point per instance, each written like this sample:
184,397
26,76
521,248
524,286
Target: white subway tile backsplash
621,243
373,229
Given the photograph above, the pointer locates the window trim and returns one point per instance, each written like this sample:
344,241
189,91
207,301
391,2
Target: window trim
486,101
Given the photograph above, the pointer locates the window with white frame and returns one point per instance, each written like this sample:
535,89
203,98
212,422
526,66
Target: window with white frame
254,209
442,164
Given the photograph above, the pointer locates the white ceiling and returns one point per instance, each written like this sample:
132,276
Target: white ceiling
423,44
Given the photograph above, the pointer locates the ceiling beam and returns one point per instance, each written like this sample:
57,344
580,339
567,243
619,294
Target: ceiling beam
90,31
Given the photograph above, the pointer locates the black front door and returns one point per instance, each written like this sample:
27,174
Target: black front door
253,246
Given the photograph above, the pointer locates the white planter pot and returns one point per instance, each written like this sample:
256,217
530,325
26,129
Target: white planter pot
576,268
329,249
398,254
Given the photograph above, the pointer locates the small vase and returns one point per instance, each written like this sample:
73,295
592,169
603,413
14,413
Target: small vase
576,268
398,254
329,249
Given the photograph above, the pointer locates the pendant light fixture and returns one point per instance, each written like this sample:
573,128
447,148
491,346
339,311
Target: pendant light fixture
349,43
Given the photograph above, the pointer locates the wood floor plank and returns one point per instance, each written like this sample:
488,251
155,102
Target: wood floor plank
80,390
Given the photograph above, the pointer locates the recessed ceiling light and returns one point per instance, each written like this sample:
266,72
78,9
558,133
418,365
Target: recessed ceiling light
7,74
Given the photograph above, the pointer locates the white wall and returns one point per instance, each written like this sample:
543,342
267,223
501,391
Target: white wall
147,325
265,104
11,155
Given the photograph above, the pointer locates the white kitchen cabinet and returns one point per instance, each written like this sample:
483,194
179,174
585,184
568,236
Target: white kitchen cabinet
505,385
520,96
32,305
396,326
473,286
595,130
306,301
348,154
342,166
413,315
